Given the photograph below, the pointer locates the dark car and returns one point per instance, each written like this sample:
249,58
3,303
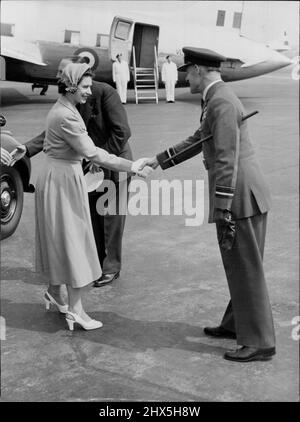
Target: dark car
14,182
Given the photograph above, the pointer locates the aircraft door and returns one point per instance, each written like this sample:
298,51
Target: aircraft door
120,39
144,39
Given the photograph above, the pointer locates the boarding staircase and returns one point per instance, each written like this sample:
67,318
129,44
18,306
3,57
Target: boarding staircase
145,80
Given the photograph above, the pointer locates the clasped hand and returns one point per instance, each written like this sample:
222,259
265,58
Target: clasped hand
142,167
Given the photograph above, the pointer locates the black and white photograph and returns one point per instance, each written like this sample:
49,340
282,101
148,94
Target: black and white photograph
149,204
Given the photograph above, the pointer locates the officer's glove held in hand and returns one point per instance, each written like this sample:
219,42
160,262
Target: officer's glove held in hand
227,229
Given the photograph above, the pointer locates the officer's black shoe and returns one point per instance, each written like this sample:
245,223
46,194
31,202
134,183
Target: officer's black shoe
106,279
249,354
219,332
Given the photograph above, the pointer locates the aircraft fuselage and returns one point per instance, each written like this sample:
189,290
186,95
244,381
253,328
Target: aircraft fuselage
138,46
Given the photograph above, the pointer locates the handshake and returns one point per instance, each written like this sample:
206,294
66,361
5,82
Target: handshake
143,167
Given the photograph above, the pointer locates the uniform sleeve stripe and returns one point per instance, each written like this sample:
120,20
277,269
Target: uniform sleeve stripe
170,155
174,153
225,189
222,194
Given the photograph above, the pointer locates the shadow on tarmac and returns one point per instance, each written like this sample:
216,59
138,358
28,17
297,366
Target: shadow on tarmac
27,275
118,331
12,97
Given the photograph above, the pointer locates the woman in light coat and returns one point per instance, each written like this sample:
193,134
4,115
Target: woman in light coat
65,247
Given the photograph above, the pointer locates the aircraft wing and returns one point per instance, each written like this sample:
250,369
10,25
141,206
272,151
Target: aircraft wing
236,48
21,50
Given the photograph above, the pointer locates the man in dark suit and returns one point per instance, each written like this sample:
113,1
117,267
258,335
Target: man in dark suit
239,200
107,125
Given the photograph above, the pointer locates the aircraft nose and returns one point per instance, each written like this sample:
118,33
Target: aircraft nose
274,61
283,61
278,60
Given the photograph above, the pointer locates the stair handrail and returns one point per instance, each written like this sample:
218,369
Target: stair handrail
134,74
156,67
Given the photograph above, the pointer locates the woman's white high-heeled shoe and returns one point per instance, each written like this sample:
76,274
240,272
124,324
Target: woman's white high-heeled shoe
71,318
48,299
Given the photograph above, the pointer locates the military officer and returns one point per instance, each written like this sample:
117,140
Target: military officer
239,201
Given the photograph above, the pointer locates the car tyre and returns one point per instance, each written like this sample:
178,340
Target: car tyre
12,194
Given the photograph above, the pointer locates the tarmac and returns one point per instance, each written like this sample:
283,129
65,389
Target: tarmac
172,284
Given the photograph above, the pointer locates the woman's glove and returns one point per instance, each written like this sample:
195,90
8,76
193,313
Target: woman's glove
227,228
95,168
6,157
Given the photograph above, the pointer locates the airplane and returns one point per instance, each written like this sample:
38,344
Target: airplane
38,62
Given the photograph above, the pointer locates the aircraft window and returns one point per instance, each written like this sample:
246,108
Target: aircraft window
221,17
237,20
72,37
122,30
7,29
102,40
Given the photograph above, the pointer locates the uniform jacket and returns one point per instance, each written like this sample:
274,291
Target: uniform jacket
235,179
120,71
169,72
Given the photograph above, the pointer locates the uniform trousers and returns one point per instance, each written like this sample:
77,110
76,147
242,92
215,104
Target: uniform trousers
248,313
170,90
121,84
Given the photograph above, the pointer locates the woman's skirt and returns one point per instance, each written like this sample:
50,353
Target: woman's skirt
65,246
